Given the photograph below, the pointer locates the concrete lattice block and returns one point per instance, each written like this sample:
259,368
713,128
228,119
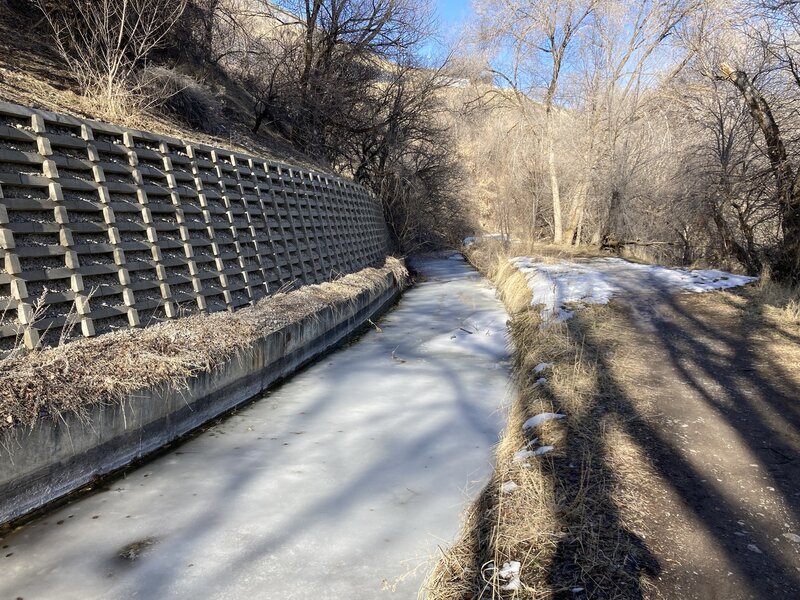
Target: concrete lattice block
133,318
87,328
6,238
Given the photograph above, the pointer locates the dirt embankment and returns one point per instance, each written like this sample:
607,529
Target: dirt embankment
33,75
674,472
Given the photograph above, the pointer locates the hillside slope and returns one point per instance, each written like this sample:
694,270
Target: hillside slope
32,74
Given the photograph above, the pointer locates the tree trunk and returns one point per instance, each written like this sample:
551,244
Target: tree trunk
260,114
613,224
551,165
787,267
576,213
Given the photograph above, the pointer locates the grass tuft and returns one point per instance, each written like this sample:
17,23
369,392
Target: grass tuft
780,301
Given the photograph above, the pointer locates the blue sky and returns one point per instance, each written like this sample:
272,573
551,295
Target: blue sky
450,12
450,15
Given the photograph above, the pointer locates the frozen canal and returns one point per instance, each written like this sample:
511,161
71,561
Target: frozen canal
340,484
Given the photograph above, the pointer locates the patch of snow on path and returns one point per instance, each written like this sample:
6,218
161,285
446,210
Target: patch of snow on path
597,280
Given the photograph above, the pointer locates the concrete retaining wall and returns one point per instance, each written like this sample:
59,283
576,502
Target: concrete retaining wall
103,227
53,459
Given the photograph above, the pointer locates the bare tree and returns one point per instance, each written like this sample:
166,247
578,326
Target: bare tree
538,36
787,177
340,79
624,55
345,45
105,42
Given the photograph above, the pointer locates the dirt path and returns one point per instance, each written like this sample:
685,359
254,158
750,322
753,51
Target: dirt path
724,442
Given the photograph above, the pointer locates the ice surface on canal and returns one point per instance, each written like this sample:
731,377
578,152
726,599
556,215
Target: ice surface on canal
339,484
597,280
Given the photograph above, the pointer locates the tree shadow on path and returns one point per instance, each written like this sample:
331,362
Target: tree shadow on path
710,369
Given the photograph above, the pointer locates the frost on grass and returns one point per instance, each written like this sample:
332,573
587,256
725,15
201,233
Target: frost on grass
537,420
597,280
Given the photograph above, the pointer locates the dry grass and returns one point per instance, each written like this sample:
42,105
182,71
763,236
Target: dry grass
544,251
587,520
31,74
575,519
110,367
775,300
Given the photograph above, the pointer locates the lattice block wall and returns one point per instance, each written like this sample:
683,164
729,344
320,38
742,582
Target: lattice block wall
103,227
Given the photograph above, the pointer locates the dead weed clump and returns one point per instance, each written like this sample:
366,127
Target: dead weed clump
775,300
570,515
109,368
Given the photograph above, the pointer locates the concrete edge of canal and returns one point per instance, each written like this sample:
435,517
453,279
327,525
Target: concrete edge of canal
39,466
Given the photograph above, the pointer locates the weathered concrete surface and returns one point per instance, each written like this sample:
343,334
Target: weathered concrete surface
339,484
55,458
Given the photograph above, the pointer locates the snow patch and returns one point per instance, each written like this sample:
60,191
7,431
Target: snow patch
537,420
792,537
754,548
510,573
522,455
540,381
541,367
597,280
